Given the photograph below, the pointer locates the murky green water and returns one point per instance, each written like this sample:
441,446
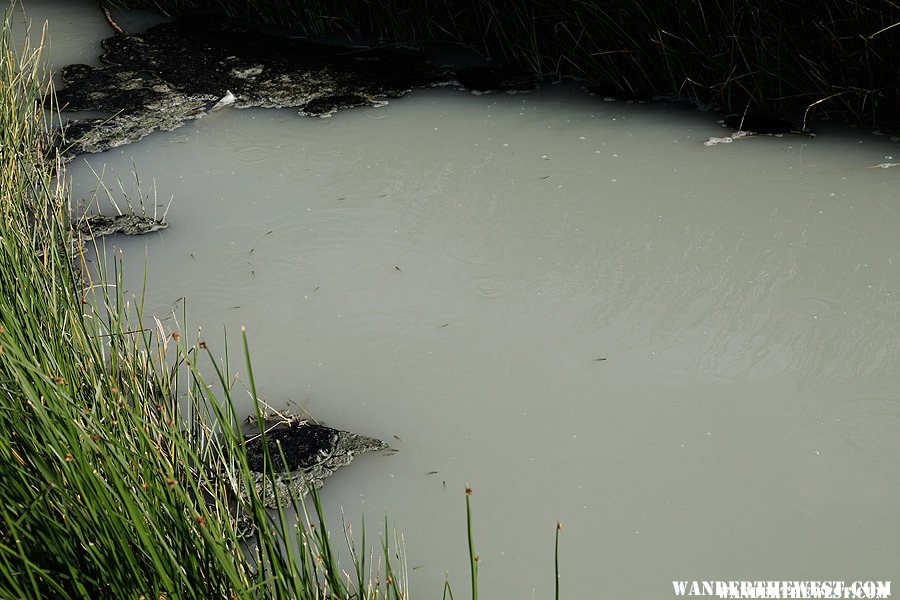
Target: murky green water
449,269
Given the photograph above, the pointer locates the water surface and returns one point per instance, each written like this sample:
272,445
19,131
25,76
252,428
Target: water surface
446,272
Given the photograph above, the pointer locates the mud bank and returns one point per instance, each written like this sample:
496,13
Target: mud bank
179,71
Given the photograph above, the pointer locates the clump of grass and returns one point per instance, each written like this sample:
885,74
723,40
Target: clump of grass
774,55
121,468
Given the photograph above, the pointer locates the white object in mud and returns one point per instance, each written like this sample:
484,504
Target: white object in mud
227,100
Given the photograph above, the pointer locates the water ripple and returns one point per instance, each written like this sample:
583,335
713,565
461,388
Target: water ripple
451,361
793,214
489,287
813,306
887,197
870,424
252,154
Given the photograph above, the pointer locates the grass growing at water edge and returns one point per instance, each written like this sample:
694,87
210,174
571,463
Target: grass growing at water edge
121,466
473,558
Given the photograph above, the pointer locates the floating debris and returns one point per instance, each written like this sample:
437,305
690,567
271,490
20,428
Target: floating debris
726,139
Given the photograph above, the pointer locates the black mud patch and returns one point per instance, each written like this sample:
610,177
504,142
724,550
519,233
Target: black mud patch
482,80
174,72
605,90
312,453
760,123
304,446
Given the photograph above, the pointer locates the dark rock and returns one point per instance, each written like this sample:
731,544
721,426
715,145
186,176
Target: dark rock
760,123
496,79
607,90
603,89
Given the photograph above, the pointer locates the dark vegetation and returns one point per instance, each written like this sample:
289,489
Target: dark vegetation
839,57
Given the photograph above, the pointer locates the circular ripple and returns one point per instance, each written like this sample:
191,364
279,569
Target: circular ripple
809,307
375,113
252,154
489,287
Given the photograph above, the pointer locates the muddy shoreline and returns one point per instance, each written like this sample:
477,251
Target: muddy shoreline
179,71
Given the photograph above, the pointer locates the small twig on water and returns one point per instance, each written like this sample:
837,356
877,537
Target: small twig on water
109,19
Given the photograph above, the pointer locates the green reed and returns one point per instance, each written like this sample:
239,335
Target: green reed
473,557
121,465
